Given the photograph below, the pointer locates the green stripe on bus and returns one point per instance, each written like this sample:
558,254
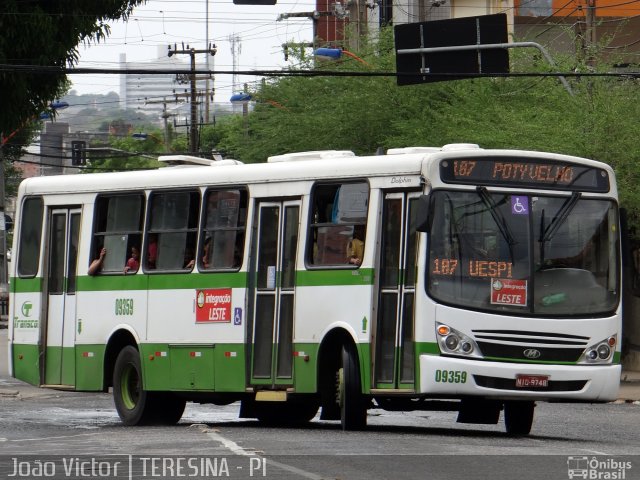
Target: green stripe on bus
25,285
162,281
318,278
426,348
169,281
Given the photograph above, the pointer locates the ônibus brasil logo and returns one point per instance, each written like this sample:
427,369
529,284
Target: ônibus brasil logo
597,468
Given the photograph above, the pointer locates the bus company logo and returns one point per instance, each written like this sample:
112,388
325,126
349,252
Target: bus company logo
200,299
509,292
595,468
531,353
27,307
213,305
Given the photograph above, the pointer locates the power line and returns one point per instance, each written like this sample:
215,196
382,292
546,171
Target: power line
32,69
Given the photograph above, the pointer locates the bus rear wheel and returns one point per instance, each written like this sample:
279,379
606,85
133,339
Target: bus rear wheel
134,404
168,409
518,417
353,409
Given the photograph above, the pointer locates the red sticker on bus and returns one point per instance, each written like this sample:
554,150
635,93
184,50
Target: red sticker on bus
213,305
508,292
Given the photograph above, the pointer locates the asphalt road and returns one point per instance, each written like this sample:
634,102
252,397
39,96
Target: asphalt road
39,425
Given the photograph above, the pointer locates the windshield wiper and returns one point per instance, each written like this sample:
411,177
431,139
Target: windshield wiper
498,218
560,217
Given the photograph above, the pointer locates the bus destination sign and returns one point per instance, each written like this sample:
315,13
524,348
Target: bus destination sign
523,172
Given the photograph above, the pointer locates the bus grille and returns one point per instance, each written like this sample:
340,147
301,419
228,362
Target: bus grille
527,346
516,352
510,384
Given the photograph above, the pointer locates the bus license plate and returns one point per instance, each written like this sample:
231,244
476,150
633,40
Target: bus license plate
532,381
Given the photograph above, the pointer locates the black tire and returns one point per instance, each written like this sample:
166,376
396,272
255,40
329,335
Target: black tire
353,409
168,409
518,417
134,404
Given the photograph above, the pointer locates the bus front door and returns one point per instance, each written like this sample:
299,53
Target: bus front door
58,329
394,347
274,272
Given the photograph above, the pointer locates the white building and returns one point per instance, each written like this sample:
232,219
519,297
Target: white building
147,91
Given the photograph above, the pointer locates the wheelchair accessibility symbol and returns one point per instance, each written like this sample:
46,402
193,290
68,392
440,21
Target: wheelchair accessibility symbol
519,205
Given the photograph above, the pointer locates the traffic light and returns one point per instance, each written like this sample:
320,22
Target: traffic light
78,152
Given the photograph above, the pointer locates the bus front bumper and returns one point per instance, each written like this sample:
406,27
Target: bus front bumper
454,377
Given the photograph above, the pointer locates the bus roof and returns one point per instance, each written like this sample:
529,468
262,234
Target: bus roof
301,166
327,168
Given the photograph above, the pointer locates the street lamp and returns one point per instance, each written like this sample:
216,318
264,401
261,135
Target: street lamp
240,97
336,53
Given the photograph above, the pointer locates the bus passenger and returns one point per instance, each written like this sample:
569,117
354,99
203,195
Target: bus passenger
96,265
355,248
152,250
205,253
189,260
134,262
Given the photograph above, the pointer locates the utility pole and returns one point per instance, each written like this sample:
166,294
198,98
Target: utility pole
236,50
590,32
4,280
165,119
193,133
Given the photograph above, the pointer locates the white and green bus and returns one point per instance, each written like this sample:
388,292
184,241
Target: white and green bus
454,277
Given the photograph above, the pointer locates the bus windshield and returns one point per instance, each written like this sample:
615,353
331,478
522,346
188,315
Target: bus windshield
526,254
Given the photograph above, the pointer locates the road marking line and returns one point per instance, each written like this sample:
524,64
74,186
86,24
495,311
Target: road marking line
238,450
596,452
54,438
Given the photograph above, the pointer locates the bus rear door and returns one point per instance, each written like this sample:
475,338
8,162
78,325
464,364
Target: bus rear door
275,271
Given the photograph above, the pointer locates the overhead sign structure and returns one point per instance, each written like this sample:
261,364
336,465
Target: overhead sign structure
451,49
254,2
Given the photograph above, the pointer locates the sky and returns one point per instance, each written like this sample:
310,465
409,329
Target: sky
167,22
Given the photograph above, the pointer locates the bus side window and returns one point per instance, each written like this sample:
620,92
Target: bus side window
223,231
338,224
30,236
172,230
117,228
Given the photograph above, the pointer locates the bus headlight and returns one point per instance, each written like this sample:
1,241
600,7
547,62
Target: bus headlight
601,352
453,342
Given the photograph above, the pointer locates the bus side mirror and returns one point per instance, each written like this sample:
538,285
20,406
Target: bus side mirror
422,216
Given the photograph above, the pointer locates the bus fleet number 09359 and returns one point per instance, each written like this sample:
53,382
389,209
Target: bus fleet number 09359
451,376
124,306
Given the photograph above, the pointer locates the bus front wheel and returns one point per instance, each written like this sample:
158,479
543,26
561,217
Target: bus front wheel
353,409
134,404
518,417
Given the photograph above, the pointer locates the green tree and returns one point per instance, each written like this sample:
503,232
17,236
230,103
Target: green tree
126,153
44,33
11,153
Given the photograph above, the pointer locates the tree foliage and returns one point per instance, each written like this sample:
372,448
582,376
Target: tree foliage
364,113
125,153
46,33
